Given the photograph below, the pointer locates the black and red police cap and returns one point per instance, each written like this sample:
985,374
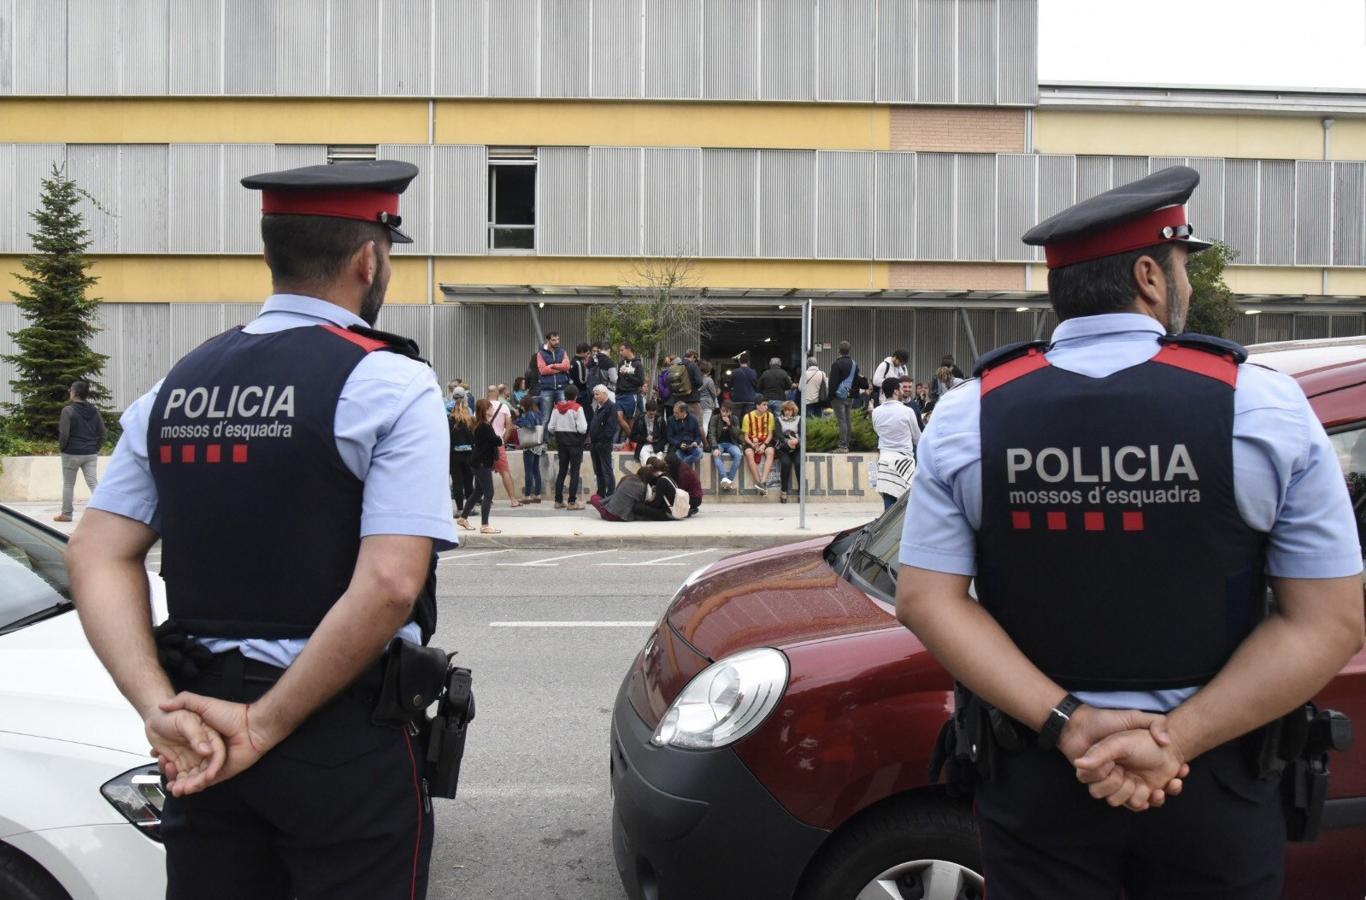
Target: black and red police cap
1142,213
366,191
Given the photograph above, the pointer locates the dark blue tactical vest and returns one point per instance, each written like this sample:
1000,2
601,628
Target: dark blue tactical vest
259,516
1111,548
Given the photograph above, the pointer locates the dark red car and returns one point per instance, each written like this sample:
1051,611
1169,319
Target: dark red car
772,739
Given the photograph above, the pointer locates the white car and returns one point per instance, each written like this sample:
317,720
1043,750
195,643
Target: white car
80,800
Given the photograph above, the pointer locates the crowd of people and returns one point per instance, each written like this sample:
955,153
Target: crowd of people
590,402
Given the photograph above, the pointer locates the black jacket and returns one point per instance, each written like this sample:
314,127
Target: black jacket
630,376
602,430
486,444
81,431
774,385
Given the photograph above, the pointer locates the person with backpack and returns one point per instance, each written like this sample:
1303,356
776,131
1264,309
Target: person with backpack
552,370
685,476
666,500
893,366
578,371
685,381
531,438
662,391
815,389
630,494
600,368
570,427
843,377
743,382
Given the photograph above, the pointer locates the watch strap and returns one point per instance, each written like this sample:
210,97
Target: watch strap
1057,720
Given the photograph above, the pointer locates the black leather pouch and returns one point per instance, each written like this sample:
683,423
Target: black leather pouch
414,677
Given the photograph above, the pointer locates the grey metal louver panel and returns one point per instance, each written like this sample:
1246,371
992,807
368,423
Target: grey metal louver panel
512,48
896,52
564,42
293,156
1016,184
893,329
936,49
189,325
251,29
1018,76
95,167
982,323
1276,233
936,333
562,176
352,63
196,198
1125,169
144,46
614,199
673,47
1207,204
1057,189
7,49
1349,214
1308,327
241,207
852,324
1241,208
730,49
1093,175
143,349
896,203
848,34
977,51
411,320
304,49
1346,325
196,51
787,50
10,320
934,207
1243,330
415,206
787,203
32,163
1011,327
616,48
1275,327
1313,213
9,213
670,210
976,207
143,195
406,55
460,184
730,198
845,216
461,47
508,336
40,47
457,349
92,47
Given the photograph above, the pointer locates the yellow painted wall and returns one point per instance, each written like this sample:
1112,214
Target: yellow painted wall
213,120
1347,282
570,271
1178,134
575,123
1348,139
1268,280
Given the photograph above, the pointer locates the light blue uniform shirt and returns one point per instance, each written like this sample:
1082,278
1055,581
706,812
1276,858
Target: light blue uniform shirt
391,434
1287,480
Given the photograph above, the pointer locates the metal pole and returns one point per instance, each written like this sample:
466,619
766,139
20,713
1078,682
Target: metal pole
808,314
535,325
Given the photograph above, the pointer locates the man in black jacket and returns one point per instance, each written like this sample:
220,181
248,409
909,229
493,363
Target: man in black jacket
602,434
774,384
843,375
630,380
81,434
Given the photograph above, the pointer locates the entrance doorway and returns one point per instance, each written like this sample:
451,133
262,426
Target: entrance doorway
764,337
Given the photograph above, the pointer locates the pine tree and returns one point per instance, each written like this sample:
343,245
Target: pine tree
54,347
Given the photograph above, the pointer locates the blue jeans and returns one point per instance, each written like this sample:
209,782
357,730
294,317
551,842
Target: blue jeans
531,465
691,457
726,451
549,397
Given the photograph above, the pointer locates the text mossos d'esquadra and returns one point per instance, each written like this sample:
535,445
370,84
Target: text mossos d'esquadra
1130,476
262,408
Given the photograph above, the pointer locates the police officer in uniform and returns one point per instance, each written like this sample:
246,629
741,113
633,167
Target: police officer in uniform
295,473
1121,496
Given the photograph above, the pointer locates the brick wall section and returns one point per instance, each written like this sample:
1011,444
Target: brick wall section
958,129
956,277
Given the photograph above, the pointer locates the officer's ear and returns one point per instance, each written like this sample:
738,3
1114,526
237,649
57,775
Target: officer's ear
1150,281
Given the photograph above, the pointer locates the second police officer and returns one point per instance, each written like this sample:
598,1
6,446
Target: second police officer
295,472
1121,496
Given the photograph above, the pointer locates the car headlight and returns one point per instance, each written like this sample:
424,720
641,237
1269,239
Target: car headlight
725,702
139,797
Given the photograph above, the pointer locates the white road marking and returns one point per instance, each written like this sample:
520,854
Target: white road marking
545,562
572,624
461,557
663,560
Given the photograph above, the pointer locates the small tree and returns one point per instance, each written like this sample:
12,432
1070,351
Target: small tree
661,299
1212,308
54,347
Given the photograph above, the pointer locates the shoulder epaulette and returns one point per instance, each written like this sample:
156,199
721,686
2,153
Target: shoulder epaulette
370,340
1209,344
1005,354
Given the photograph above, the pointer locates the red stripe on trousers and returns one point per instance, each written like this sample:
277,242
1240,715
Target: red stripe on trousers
417,790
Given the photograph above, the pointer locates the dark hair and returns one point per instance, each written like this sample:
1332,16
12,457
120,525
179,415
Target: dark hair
307,250
551,334
901,355
727,406
529,403
581,348
704,367
1104,285
845,348
744,358
81,389
889,386
627,346
519,380
690,354
571,392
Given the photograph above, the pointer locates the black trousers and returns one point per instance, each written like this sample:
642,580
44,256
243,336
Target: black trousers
338,810
482,495
571,460
462,478
1044,837
602,469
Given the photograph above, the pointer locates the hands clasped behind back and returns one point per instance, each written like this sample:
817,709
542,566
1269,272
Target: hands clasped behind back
1126,757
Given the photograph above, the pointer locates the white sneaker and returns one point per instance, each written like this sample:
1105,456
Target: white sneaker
725,484
761,488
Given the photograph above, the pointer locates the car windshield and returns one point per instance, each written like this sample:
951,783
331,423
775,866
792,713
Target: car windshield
33,576
1350,444
876,554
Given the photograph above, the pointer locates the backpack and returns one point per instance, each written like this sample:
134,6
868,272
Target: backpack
680,382
849,382
824,394
682,503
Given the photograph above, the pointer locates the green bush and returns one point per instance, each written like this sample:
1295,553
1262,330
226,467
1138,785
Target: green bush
823,434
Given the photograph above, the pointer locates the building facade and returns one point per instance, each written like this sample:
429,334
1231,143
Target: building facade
879,156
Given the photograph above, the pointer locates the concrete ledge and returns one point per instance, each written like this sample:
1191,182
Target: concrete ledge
39,478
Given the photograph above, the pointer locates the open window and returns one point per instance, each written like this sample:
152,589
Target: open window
512,198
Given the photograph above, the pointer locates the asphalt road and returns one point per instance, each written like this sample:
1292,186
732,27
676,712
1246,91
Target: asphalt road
533,818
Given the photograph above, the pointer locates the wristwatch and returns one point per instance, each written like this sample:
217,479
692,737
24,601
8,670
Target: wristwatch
1057,721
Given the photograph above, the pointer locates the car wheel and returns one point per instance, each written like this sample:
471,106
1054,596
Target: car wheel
23,879
915,849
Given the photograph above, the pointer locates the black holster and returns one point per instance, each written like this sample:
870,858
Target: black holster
971,742
415,678
1295,749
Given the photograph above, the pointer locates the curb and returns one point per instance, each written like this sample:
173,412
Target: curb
478,541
